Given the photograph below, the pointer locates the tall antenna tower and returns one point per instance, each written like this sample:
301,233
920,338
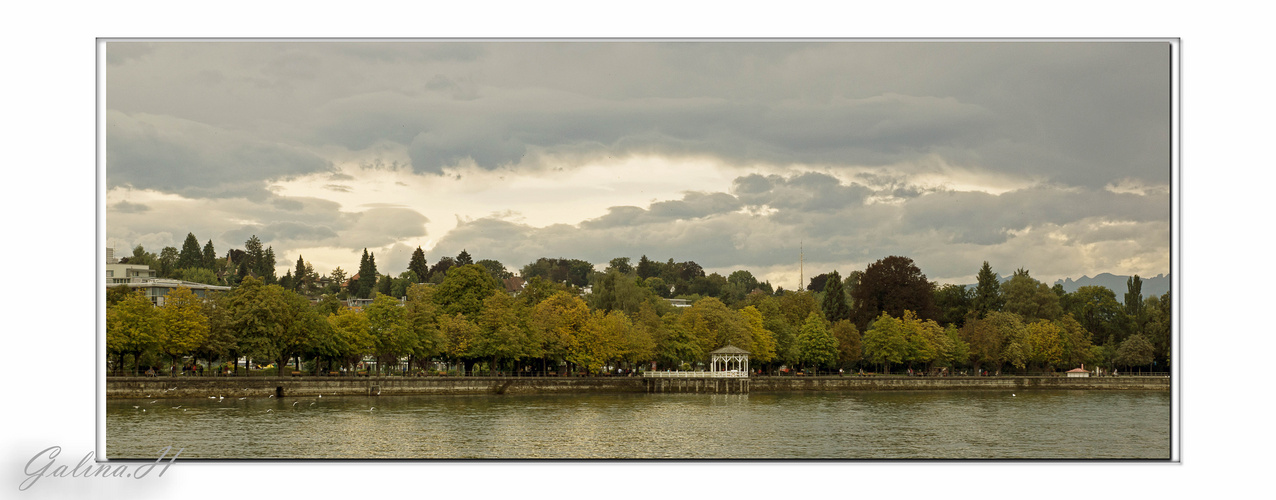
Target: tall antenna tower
801,265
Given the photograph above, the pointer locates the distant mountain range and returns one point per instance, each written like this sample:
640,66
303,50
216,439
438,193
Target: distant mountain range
1156,285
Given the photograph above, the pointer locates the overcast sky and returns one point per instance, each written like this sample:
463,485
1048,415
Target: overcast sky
1052,157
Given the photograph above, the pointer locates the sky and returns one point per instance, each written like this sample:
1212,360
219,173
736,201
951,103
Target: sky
1046,156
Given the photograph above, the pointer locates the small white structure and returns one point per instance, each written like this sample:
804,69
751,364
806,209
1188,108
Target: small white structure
1078,372
730,359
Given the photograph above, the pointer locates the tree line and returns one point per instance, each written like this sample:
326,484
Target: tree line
887,317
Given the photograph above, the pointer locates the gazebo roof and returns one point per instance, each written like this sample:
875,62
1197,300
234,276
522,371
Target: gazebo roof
730,350
1078,370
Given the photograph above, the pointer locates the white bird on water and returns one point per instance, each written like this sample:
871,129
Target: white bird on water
1012,394
268,410
294,403
373,408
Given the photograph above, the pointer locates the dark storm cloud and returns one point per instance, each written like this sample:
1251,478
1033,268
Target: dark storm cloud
1080,113
196,160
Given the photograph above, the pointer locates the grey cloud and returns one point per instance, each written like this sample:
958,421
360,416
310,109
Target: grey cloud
808,192
1080,113
985,219
129,208
282,232
693,205
340,188
196,160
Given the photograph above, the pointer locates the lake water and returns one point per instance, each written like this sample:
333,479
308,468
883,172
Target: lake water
843,425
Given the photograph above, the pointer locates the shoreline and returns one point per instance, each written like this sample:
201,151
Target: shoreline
188,387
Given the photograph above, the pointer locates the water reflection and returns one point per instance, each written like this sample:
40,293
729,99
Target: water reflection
849,425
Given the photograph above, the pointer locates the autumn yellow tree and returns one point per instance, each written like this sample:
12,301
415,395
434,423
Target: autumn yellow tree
185,325
353,336
763,348
557,321
133,326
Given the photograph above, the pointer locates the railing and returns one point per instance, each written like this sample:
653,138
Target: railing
725,374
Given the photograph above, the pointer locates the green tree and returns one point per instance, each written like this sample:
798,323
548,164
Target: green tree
884,342
1135,314
1045,343
572,271
273,322
646,268
299,281
392,336
440,269
352,336
987,293
1096,308
1134,351
464,290
385,285
367,275
208,258
220,340
835,306
1032,300
464,259
495,268
503,331
675,343
190,255
621,265
422,316
254,255
1159,313
197,275
167,262
715,326
417,265
267,267
1074,340
954,303
817,345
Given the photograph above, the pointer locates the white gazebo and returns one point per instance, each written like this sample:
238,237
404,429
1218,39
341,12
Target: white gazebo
729,360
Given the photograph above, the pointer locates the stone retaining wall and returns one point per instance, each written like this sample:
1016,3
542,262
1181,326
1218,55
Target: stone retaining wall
182,387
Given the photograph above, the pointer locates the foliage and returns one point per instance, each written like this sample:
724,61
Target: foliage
816,344
133,326
893,285
987,293
463,258
185,325
197,275
835,306
495,268
763,340
1096,308
417,264
1032,300
557,321
190,256
849,344
391,333
713,326
600,340
1134,351
574,272
954,303
884,342
464,290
